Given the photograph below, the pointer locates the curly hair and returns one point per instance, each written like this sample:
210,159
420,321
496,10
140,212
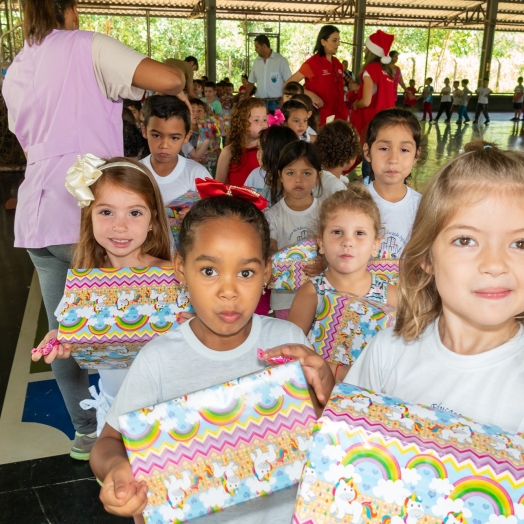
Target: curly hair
338,143
236,137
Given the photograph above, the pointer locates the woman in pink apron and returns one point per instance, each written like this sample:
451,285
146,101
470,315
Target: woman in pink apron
64,94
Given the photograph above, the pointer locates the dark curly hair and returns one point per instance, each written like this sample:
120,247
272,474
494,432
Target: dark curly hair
338,142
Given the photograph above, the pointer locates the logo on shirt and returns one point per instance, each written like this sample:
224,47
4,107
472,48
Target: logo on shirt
326,72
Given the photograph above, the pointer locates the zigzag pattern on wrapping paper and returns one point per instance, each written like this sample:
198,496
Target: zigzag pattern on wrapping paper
159,458
295,268
126,275
120,283
324,347
297,521
138,335
483,464
384,266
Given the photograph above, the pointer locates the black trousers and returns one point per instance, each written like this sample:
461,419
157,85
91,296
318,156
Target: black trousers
444,106
481,108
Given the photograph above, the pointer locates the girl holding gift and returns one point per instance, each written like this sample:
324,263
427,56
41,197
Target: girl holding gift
123,224
224,262
349,233
293,218
458,343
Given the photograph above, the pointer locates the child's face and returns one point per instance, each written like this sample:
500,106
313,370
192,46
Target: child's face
220,91
209,93
136,113
455,85
257,121
224,272
297,121
299,179
121,221
446,81
485,83
348,241
428,81
197,113
228,90
392,155
464,84
412,83
285,98
478,260
198,90
165,138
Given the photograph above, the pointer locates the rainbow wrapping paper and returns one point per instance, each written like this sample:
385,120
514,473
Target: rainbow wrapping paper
376,459
173,210
346,325
221,446
108,315
386,268
288,265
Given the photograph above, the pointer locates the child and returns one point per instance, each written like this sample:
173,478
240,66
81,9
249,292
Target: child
410,96
296,118
464,99
518,98
427,100
445,102
239,157
124,226
293,218
482,104
195,148
349,233
135,106
224,263
205,129
198,87
220,90
457,96
210,96
270,144
291,89
458,343
338,144
314,115
393,147
167,126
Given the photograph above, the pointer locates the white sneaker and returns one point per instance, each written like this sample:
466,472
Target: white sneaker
101,402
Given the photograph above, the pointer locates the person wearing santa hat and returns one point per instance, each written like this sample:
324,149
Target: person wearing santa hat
324,76
377,86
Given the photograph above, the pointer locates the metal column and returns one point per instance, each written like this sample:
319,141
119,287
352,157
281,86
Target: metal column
427,55
358,35
490,23
211,40
148,24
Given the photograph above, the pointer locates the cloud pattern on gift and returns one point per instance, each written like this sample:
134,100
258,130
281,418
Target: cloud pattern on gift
447,505
335,453
441,486
338,471
294,471
257,487
410,476
519,511
214,497
391,491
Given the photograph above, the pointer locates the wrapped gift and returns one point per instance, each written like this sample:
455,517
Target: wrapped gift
386,268
346,325
173,209
288,265
377,459
221,446
108,315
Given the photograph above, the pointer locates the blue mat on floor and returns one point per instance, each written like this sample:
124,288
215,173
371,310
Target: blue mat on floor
44,404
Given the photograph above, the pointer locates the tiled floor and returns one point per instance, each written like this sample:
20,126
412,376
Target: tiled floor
39,483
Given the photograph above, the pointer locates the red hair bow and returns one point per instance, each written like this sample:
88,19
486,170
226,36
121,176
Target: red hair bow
277,119
210,188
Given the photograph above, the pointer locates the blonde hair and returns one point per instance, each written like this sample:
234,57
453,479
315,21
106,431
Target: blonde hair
480,171
89,253
355,198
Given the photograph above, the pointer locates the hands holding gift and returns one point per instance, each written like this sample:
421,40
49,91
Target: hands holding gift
50,349
315,267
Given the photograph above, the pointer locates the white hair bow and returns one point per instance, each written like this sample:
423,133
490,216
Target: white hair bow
82,174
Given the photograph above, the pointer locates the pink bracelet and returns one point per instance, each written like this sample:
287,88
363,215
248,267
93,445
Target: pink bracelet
273,360
47,348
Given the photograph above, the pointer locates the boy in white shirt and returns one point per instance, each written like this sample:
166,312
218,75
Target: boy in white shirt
518,98
482,104
167,127
463,108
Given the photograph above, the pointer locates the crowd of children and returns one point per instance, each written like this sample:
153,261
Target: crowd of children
457,343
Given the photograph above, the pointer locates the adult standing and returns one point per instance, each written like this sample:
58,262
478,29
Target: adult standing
397,73
270,72
188,66
64,95
324,76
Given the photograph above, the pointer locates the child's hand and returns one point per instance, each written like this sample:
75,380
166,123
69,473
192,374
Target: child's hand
59,350
316,370
121,494
314,268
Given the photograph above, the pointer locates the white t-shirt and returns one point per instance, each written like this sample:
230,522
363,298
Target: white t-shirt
520,89
488,387
397,219
483,93
446,94
177,363
288,227
180,180
457,96
186,149
310,131
256,179
330,184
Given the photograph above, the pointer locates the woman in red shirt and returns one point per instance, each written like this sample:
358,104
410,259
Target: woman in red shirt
324,76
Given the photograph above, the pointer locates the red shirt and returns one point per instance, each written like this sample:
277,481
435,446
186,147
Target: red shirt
238,173
410,100
326,79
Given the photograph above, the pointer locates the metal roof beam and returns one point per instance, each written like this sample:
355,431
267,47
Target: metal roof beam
475,14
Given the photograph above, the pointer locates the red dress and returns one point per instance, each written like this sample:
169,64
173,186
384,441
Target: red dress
238,173
326,79
384,98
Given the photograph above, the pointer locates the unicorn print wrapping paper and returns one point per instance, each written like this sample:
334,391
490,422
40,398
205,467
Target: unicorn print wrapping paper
173,209
108,315
221,446
377,459
386,268
287,273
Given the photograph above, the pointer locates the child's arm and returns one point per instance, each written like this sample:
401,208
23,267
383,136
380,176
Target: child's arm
224,162
392,295
304,307
312,138
121,494
198,152
59,350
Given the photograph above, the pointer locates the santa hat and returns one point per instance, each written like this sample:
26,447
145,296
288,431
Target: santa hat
379,44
